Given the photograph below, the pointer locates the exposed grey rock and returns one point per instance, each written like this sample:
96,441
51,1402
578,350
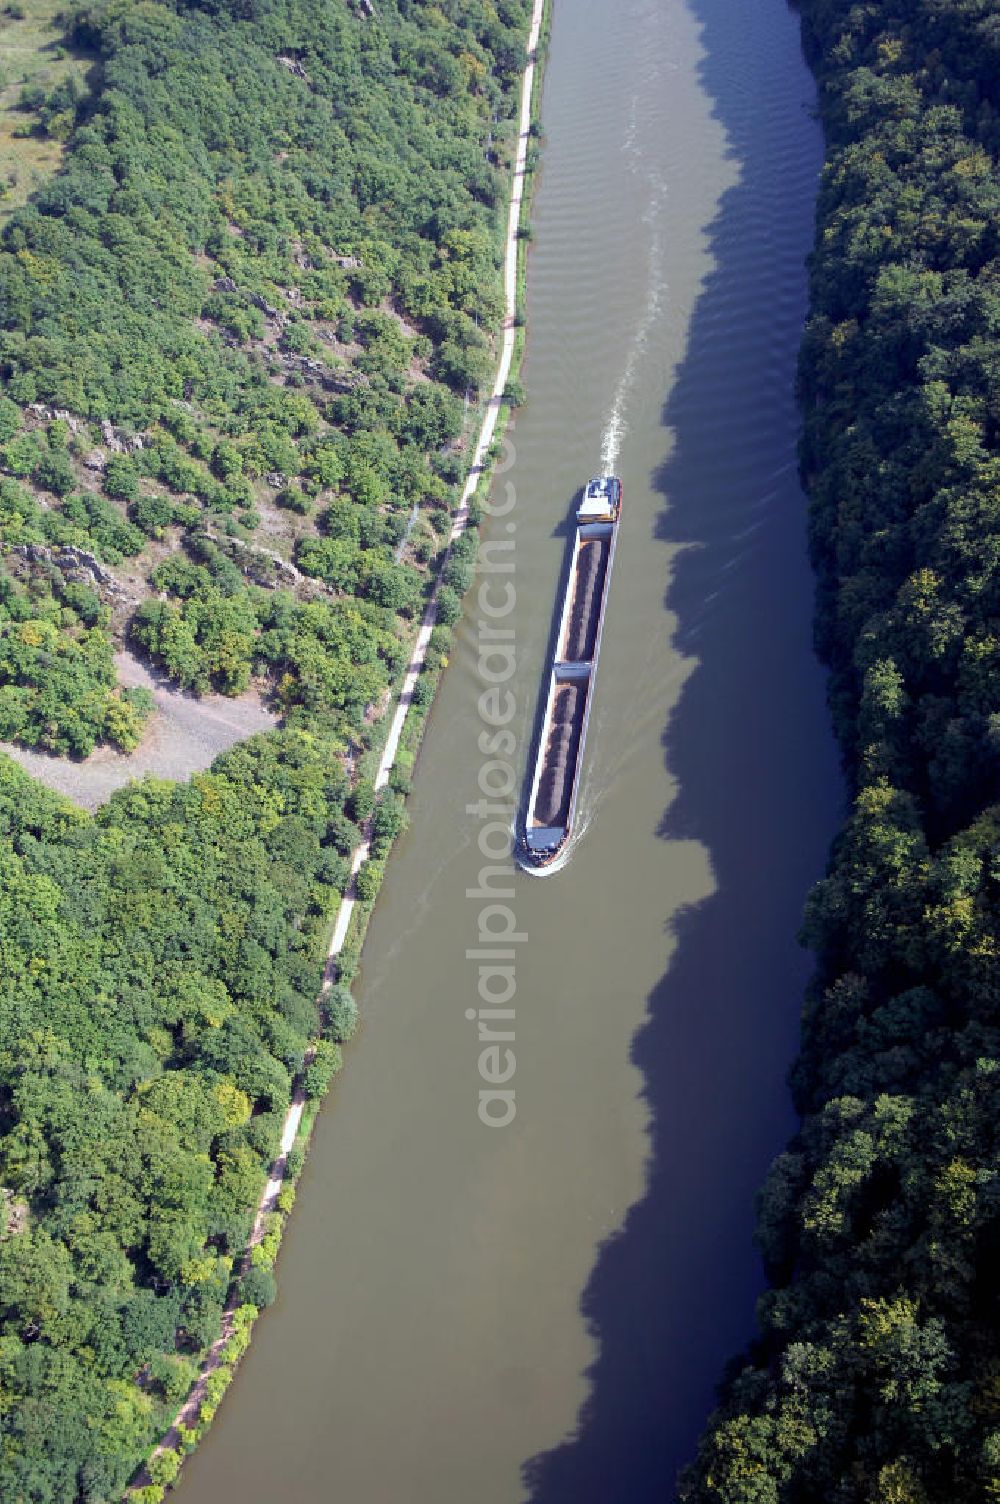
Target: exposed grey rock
120,442
73,423
243,554
294,67
262,303
76,564
110,437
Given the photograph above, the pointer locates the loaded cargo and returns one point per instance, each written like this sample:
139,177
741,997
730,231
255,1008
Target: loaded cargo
550,808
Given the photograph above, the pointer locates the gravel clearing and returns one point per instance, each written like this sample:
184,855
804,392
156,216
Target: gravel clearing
184,735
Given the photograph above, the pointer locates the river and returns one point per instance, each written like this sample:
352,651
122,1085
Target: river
539,1312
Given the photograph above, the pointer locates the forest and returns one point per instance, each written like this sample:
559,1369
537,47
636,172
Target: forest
240,329
238,332
876,1372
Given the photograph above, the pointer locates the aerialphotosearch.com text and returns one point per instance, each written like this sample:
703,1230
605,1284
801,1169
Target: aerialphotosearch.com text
497,933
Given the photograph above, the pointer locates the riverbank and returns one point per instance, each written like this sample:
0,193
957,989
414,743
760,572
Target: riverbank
218,1364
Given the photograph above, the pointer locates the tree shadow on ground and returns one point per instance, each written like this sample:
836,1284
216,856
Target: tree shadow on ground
671,1296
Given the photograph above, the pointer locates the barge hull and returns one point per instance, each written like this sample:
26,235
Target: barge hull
550,809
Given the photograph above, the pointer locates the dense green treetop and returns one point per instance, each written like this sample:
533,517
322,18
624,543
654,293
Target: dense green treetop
160,967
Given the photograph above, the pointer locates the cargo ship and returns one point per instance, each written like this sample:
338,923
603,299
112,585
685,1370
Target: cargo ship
550,807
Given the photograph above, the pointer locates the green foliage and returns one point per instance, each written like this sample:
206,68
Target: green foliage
57,673
321,1069
387,820
259,1288
460,567
121,478
55,473
161,964
10,419
366,883
361,801
93,523
152,515
875,1373
398,178
328,656
164,1467
341,1014
449,606
293,499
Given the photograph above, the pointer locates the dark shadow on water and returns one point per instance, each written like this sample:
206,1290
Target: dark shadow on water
671,1296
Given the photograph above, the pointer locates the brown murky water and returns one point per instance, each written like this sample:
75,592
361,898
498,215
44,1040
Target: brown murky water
540,1311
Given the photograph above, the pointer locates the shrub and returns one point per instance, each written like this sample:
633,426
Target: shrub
10,419
388,819
120,478
55,473
152,514
259,1288
367,882
164,1467
341,1014
458,574
449,606
361,801
324,1065
294,499
423,691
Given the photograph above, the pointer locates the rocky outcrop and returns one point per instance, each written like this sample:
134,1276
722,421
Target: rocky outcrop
119,441
77,565
226,284
255,299
249,557
51,414
294,67
13,1213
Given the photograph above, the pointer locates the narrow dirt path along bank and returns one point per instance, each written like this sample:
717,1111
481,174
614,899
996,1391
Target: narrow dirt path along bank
188,1414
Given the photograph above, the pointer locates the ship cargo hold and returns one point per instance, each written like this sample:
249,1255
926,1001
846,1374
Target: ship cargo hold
550,807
